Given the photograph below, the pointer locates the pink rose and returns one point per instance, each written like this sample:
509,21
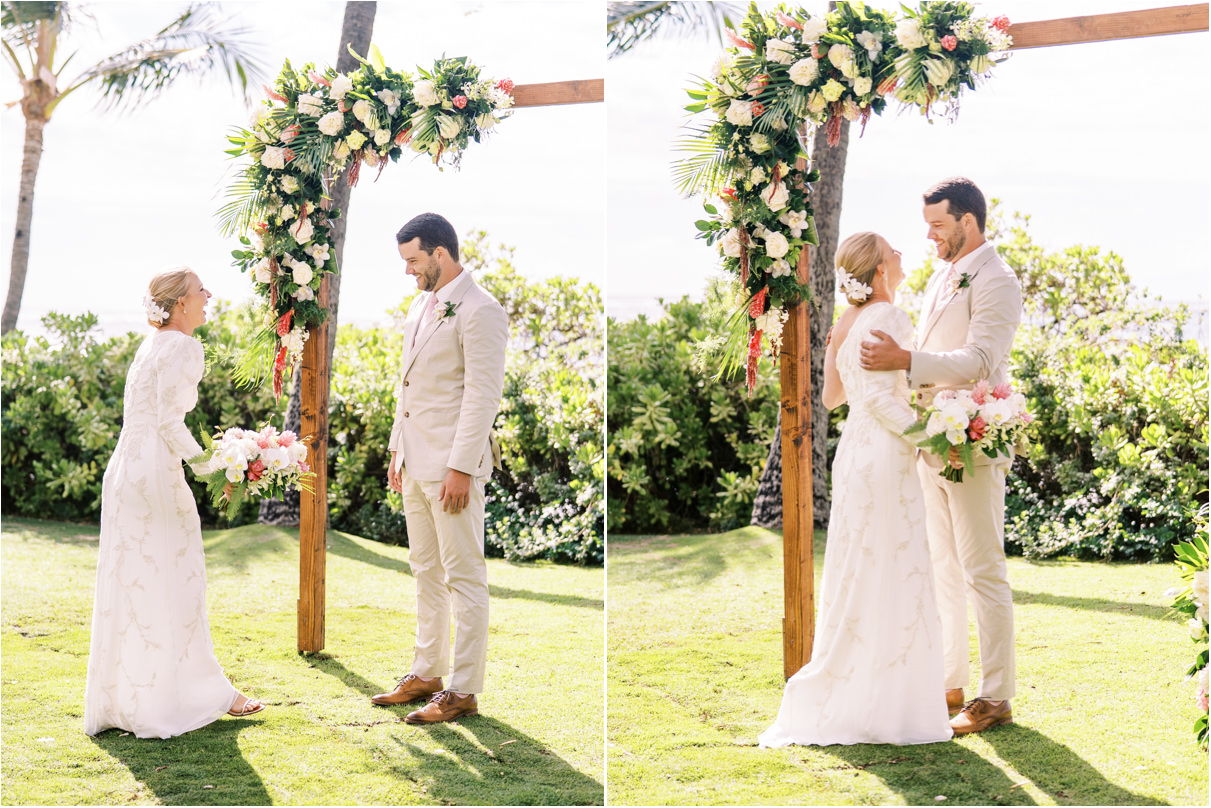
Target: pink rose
815,51
757,84
255,469
1002,391
950,42
506,84
459,101
977,428
290,133
1001,23
287,439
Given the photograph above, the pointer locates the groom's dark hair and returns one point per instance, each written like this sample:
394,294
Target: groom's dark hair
963,196
433,231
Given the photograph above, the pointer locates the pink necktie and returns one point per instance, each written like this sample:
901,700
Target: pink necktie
429,315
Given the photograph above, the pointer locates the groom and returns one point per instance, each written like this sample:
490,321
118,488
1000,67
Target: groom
969,316
441,453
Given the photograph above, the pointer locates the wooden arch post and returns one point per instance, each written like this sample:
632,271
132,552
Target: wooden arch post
798,622
314,372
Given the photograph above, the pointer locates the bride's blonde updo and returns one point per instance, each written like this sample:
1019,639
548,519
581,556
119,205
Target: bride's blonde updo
163,293
859,257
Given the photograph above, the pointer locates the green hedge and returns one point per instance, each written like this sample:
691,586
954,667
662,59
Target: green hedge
61,408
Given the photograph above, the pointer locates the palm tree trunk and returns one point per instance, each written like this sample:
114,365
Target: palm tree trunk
356,32
30,159
826,201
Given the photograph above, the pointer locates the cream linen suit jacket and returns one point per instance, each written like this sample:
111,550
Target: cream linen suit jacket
967,335
450,386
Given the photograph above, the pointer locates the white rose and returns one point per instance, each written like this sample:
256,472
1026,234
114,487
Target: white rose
938,71
817,102
302,273
776,197
759,143
908,34
448,126
740,113
813,29
287,213
340,85
778,51
425,93
804,71
757,174
862,85
361,108
355,140
262,272
731,244
840,55
382,137
303,231
776,245
310,105
274,157
332,124
290,185
304,293
341,152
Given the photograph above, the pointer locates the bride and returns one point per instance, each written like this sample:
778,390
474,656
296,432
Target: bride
876,671
151,664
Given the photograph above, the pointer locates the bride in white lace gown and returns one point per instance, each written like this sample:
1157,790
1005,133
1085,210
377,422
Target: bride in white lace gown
151,666
876,671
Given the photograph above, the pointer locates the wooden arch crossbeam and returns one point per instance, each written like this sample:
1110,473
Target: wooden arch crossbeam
313,398
798,624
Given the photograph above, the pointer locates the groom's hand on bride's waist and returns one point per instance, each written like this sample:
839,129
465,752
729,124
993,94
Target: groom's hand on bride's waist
883,353
456,491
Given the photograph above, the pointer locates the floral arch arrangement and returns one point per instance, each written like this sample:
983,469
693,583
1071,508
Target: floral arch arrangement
785,74
310,127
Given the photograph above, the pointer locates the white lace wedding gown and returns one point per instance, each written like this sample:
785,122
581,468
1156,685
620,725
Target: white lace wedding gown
151,664
876,670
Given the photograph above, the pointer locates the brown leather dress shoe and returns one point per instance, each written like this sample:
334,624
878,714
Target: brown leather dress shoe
979,715
954,700
409,689
444,706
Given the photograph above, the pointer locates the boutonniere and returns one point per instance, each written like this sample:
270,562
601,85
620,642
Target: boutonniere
450,306
961,282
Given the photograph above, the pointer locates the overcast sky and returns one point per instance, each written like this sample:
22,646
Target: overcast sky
1102,144
120,197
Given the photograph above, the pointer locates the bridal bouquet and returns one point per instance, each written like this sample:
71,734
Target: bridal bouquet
992,420
263,463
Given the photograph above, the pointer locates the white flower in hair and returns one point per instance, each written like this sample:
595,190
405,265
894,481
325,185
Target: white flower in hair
154,312
851,287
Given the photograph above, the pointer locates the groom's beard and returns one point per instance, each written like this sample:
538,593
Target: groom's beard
428,276
952,246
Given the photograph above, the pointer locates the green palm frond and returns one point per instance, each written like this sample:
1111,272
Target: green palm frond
19,21
706,167
244,199
195,43
255,366
630,23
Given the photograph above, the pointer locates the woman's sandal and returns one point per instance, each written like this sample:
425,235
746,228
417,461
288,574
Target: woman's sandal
249,707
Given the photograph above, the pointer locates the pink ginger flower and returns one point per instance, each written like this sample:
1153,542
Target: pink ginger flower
1001,23
788,22
283,327
459,101
950,42
757,307
287,439
318,79
737,41
273,95
1002,391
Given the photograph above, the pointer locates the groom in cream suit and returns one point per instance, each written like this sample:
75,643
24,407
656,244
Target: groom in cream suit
441,454
971,311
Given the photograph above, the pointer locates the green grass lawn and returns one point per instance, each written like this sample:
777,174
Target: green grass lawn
695,674
538,739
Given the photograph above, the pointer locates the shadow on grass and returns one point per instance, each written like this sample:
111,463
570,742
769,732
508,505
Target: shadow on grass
692,561
920,774
498,765
178,769
1024,598
510,766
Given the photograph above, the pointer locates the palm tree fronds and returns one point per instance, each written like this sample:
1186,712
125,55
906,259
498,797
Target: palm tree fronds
630,23
195,43
244,199
706,167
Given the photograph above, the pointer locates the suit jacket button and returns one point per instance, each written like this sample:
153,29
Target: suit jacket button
405,415
405,382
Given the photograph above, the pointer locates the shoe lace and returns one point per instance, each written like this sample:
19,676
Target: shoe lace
440,697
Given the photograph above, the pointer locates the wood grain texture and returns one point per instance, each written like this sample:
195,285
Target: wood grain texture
1105,27
313,507
798,625
581,91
